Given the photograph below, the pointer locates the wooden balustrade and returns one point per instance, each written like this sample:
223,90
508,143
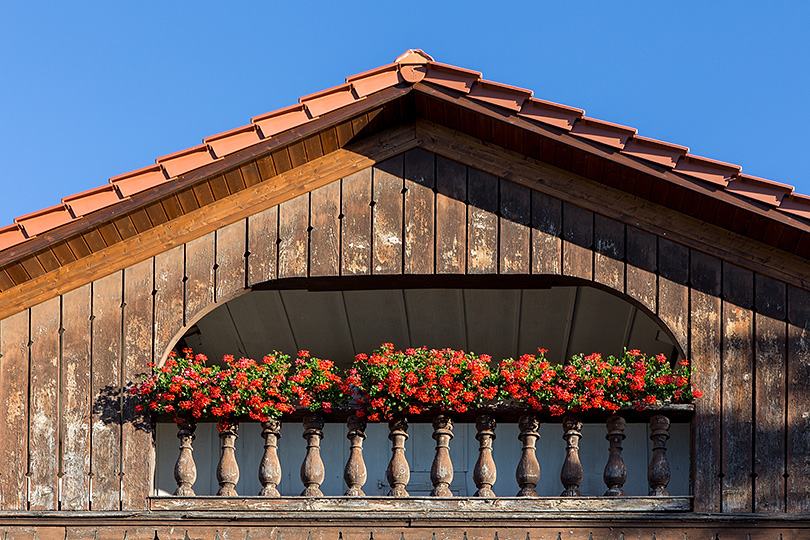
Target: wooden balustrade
398,471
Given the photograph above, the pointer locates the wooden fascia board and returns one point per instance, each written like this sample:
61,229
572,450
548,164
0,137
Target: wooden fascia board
219,166
579,191
639,165
204,220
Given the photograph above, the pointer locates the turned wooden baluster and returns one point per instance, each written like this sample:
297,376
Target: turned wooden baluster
312,471
354,474
227,468
185,470
441,471
398,472
571,473
528,469
484,473
615,471
270,467
658,473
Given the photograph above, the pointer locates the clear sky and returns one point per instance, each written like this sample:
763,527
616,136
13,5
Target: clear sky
94,89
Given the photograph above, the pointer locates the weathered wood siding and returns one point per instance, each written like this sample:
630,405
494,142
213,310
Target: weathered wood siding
68,441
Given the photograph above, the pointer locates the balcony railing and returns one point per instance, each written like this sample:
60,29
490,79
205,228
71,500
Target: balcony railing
398,472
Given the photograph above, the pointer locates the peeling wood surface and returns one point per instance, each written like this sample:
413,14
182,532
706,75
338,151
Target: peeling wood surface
262,245
515,213
609,242
798,401
324,241
199,275
230,260
14,339
451,217
577,242
419,172
387,216
546,232
482,223
356,224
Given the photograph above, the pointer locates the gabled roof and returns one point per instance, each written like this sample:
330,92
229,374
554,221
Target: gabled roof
778,203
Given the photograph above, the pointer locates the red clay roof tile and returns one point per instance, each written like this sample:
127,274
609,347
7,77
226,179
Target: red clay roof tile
551,113
44,220
660,152
451,77
281,120
796,204
413,56
368,82
502,95
328,100
608,133
709,170
136,181
233,140
91,200
759,189
186,160
10,235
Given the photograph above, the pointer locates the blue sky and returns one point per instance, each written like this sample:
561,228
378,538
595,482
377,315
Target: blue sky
92,89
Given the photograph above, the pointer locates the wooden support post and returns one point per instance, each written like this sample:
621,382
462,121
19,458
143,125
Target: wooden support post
398,472
228,469
571,473
658,473
270,467
528,469
441,471
312,471
354,474
615,471
485,473
185,470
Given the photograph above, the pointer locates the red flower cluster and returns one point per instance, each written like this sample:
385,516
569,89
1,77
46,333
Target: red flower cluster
391,382
315,384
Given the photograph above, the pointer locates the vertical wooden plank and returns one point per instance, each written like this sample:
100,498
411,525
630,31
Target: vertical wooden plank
798,400
44,431
769,405
738,333
137,453
168,293
420,179
105,379
230,261
641,266
514,255
451,211
482,223
387,216
577,242
705,352
293,248
673,293
546,231
14,337
355,248
199,275
262,246
324,239
608,262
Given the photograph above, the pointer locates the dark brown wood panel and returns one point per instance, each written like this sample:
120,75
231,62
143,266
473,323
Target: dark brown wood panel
420,179
230,260
515,215
168,301
355,248
105,458
798,401
200,257
641,266
608,257
546,234
577,242
706,356
324,239
293,247
451,217
482,223
43,447
136,433
387,216
76,402
262,245
738,360
769,406
673,291
14,337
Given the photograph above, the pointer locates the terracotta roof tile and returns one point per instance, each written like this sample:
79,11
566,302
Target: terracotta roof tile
10,235
709,170
186,160
796,204
413,56
608,133
233,140
44,220
91,200
759,189
136,181
551,113
328,100
660,152
451,77
368,82
275,122
502,95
